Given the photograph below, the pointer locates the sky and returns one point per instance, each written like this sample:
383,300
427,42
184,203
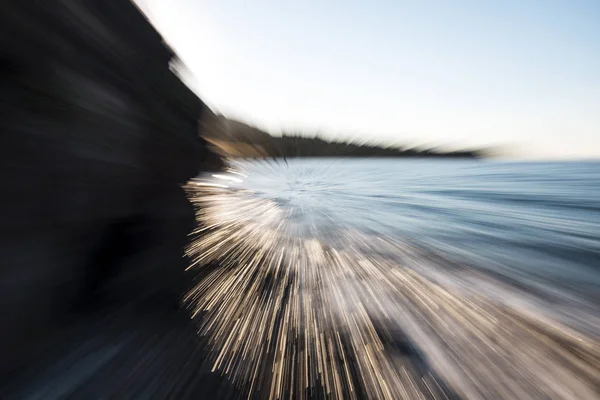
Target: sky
523,74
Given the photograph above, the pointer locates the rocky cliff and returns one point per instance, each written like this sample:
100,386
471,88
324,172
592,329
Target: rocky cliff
98,134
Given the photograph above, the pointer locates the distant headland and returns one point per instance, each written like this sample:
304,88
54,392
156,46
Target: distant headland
235,139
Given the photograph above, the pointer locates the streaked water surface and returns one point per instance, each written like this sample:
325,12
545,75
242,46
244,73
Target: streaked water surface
489,272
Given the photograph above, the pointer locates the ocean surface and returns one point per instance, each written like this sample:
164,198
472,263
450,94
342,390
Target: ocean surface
392,278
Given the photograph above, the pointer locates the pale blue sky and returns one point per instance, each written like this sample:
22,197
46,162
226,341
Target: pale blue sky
467,73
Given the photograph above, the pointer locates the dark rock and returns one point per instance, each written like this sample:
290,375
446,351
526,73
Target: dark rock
98,134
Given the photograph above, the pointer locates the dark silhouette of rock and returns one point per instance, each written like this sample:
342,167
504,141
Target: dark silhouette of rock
98,135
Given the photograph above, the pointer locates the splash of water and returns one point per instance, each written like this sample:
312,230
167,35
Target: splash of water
349,315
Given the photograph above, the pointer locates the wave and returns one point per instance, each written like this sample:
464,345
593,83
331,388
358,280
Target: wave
347,314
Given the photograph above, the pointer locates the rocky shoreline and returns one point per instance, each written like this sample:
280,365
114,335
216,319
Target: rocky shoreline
98,137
